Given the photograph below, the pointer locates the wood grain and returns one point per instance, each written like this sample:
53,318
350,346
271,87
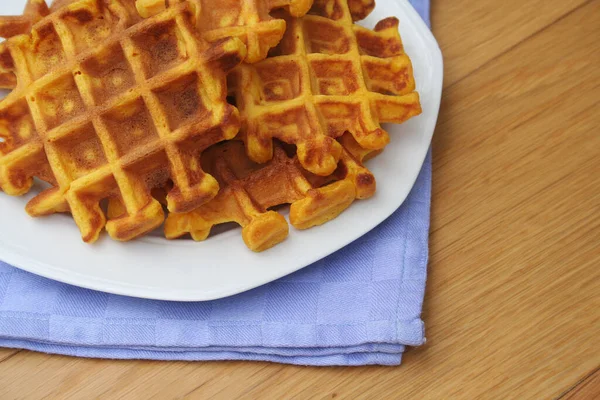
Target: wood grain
472,33
589,388
6,353
513,297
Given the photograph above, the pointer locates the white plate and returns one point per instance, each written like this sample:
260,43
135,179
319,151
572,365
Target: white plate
155,268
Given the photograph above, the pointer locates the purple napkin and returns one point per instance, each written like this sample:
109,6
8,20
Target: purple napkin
359,306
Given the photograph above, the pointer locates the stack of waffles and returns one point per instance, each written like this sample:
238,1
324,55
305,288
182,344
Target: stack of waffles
197,111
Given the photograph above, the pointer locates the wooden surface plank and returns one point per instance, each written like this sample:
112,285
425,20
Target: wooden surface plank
472,33
513,293
6,353
588,389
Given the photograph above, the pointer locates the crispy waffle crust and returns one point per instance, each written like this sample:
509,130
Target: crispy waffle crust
106,105
248,20
249,190
326,77
16,25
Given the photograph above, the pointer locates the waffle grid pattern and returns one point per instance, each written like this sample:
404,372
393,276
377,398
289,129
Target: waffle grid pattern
160,95
326,77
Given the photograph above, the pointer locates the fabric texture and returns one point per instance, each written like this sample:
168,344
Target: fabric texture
359,306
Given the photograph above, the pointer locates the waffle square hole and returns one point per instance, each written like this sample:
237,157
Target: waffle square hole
7,65
392,76
161,46
80,152
289,43
334,77
59,101
340,117
88,25
279,80
325,37
109,74
331,9
181,101
16,127
130,126
221,14
153,169
292,122
379,44
45,51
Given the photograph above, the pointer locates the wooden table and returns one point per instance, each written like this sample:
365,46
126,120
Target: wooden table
513,299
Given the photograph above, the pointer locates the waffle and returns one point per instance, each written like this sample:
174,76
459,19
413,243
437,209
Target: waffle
248,20
350,168
326,77
249,190
16,25
108,105
34,11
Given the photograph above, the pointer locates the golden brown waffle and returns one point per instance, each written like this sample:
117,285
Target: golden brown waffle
107,105
326,77
15,25
248,20
249,190
56,4
350,168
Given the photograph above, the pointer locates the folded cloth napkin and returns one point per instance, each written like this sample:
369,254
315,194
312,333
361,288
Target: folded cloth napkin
359,306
